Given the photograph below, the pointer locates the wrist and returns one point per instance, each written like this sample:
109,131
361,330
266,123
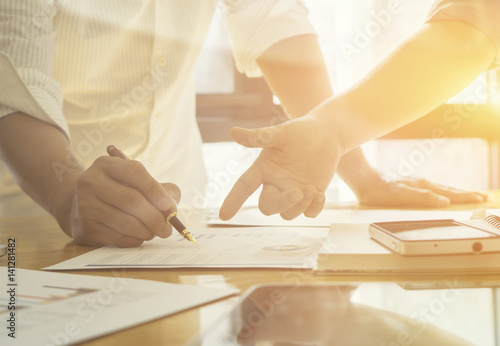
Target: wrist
64,204
350,118
327,126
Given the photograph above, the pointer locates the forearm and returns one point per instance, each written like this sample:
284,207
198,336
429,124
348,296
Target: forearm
296,72
433,65
39,157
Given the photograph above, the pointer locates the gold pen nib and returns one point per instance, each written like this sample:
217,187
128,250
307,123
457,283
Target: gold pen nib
185,233
191,238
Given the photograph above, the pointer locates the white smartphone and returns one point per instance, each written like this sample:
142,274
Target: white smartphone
434,237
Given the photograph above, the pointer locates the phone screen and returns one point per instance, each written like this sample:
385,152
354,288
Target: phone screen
433,230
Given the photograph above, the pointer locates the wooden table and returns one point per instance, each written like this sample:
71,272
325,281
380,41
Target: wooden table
40,243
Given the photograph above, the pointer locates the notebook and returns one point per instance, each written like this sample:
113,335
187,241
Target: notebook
349,249
493,218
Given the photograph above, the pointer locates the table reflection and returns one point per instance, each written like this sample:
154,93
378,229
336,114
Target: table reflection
382,314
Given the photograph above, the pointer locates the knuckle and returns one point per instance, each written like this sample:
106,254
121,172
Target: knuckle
125,222
101,161
136,168
174,191
84,180
246,187
91,177
151,187
157,224
131,201
320,200
84,207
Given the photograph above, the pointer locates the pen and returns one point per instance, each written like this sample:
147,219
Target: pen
170,215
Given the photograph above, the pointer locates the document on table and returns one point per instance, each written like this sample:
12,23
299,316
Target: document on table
253,217
61,309
241,247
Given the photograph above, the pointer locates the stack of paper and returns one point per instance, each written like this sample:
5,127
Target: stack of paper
61,309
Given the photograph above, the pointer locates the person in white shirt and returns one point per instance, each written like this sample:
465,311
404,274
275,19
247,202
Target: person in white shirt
79,75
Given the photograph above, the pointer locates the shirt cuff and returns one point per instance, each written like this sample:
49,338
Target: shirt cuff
483,14
276,27
17,96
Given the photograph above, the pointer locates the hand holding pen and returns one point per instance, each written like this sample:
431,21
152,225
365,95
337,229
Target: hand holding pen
114,202
170,214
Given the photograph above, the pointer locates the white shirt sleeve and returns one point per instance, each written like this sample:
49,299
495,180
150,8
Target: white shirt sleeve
255,25
483,14
27,42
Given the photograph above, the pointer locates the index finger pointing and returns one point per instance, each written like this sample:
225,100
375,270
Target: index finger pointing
244,187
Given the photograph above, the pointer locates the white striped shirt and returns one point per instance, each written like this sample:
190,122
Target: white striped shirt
120,72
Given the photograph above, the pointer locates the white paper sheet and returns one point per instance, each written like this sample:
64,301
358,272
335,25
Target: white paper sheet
57,308
253,217
241,247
